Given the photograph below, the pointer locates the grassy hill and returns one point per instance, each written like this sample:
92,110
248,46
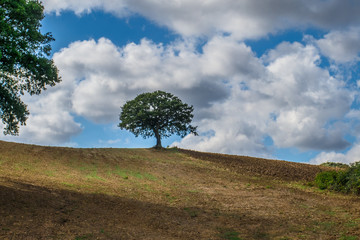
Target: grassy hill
68,193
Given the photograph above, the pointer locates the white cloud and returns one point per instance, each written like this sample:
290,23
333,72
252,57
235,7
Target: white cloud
243,19
107,76
51,128
49,122
291,99
307,98
85,6
341,46
239,99
351,156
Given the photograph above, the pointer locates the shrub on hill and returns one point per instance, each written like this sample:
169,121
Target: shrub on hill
334,164
326,179
346,181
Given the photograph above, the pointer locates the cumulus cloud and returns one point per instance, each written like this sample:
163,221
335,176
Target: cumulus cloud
350,156
353,153
289,98
239,99
341,46
85,6
243,19
307,98
50,122
107,76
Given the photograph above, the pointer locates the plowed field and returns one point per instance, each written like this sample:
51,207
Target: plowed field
290,171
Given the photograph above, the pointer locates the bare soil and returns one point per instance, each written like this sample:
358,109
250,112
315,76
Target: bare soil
66,193
290,171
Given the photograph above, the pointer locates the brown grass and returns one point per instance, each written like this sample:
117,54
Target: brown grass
68,193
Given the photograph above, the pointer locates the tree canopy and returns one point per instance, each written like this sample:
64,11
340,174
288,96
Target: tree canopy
158,114
24,63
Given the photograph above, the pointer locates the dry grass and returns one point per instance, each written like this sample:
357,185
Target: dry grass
65,193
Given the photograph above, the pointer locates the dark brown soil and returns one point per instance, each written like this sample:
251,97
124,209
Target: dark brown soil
289,171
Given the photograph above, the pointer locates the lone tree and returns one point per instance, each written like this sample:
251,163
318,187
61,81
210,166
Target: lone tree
24,65
158,114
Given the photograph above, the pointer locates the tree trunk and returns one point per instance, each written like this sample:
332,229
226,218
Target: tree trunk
158,139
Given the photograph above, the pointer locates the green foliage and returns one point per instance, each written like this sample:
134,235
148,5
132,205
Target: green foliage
346,181
325,179
352,179
333,164
24,65
158,114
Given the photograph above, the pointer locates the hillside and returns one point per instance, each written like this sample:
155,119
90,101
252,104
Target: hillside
69,193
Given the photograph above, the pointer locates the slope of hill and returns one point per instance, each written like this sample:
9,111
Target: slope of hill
68,193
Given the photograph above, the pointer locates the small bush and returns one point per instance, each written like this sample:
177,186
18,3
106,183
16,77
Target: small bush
326,179
346,181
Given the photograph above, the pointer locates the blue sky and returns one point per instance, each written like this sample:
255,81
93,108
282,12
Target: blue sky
277,80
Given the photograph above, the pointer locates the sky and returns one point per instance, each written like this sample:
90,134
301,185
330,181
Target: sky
275,78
